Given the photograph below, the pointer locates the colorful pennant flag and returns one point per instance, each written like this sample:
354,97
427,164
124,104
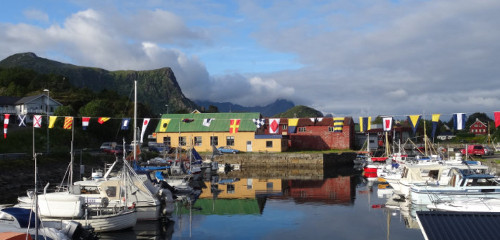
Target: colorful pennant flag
187,120
207,121
259,122
338,124
37,121
435,121
414,121
274,125
365,124
68,122
52,120
497,119
85,122
22,119
459,121
102,120
234,125
145,123
387,122
292,125
125,123
5,124
164,124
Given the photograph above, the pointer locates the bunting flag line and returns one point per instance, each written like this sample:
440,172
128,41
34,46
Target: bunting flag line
164,124
102,120
125,123
459,121
292,125
21,119
207,121
313,120
187,120
497,119
319,119
37,121
85,122
387,122
145,123
435,121
274,124
5,124
234,125
52,120
365,124
68,122
258,122
414,121
338,124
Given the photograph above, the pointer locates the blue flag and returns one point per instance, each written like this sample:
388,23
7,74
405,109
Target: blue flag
125,123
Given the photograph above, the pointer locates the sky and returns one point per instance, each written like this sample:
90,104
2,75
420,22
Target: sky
345,57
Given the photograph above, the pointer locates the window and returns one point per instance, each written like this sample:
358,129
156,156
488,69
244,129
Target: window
230,140
302,129
166,141
214,141
182,141
230,188
269,144
197,141
330,129
269,185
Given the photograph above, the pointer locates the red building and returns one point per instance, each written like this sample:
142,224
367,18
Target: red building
314,133
338,190
478,128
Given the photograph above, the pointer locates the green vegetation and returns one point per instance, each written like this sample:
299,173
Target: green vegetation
300,111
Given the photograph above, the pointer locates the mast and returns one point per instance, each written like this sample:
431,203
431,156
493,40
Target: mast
135,121
425,139
72,156
36,188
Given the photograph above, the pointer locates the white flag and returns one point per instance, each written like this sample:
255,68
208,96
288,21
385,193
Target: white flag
387,122
37,121
274,125
145,123
207,121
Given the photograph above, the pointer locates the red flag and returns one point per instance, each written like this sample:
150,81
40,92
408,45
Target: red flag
497,119
68,122
102,120
5,124
234,125
85,122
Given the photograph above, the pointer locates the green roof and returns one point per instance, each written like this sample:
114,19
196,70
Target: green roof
208,206
220,122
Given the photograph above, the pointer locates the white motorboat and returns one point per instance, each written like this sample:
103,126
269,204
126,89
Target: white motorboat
468,205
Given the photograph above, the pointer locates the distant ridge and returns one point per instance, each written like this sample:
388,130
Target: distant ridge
300,112
155,88
272,109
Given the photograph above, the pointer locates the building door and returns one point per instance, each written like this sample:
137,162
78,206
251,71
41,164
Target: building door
249,146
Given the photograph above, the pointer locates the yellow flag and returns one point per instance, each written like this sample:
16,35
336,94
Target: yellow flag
164,124
52,120
435,117
68,122
292,122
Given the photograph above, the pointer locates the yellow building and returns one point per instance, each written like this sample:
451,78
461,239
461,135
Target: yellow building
202,130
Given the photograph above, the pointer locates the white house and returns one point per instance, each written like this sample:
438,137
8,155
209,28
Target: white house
38,104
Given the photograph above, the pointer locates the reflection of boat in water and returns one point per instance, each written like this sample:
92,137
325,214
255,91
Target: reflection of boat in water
468,205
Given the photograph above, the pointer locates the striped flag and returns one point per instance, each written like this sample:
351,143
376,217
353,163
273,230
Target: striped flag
338,124
85,122
365,124
459,121
5,124
68,122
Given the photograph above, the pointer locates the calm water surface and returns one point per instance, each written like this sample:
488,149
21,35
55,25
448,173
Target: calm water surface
302,206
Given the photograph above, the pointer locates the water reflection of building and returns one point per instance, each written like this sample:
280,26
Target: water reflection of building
339,190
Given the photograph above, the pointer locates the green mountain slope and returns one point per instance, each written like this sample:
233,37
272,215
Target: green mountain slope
300,111
155,88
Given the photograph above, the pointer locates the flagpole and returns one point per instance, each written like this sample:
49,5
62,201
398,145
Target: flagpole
135,120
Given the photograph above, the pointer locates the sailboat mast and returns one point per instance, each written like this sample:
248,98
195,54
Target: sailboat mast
72,156
425,139
135,120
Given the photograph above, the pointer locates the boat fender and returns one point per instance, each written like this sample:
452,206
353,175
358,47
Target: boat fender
133,206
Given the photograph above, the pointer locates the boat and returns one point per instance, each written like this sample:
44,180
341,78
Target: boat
21,222
463,183
468,205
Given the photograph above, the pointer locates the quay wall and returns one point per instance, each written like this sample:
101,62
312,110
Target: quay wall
289,160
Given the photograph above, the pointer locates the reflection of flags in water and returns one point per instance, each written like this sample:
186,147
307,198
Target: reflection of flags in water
459,121
52,120
292,125
435,121
145,123
21,120
68,123
207,122
37,121
387,122
497,119
125,123
365,124
164,124
259,122
338,124
5,124
85,122
274,124
414,120
234,125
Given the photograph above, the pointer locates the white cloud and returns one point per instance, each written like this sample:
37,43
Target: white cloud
35,14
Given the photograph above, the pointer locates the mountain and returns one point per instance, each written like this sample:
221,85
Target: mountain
272,109
155,88
300,112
